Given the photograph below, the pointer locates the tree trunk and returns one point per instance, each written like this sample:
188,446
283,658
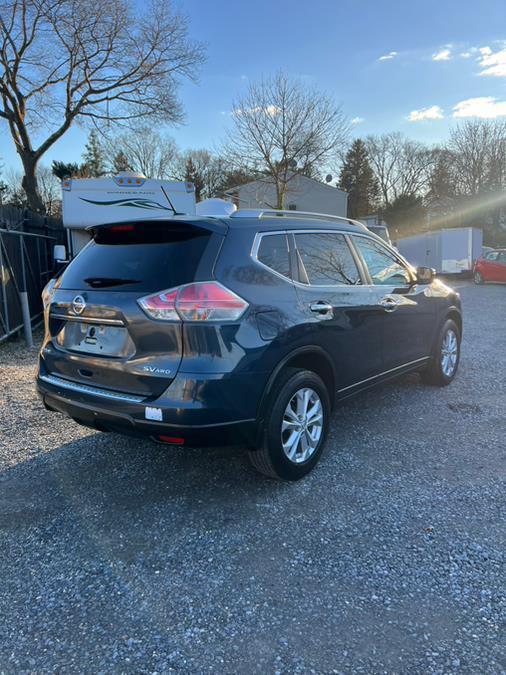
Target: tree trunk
280,195
29,183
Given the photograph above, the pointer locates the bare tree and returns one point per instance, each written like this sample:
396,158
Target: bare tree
478,149
145,150
402,166
61,60
49,190
204,169
4,188
15,194
281,127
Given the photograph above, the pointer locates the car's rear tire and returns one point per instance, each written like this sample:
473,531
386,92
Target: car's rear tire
478,278
295,426
445,358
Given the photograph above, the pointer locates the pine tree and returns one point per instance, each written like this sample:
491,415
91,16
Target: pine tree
64,170
193,175
441,179
358,180
93,156
120,162
4,188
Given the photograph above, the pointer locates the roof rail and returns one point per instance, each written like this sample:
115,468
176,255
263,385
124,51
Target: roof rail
281,213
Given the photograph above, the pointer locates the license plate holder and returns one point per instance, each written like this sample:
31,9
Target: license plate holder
93,338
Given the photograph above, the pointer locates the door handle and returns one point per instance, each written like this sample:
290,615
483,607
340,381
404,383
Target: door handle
321,307
389,303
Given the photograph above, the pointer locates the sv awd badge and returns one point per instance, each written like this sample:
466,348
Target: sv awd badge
156,371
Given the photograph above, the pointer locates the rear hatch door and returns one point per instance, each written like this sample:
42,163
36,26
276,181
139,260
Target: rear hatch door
98,334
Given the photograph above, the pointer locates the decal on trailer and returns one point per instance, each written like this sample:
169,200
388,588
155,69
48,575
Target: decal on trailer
135,203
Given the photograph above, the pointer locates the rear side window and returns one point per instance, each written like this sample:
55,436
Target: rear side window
273,252
325,259
136,260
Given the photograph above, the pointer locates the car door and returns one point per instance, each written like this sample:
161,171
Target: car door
490,265
338,311
406,308
501,264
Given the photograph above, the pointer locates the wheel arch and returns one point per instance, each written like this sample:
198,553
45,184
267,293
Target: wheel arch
454,314
310,357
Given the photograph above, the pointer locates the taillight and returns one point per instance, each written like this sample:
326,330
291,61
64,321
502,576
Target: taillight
201,301
121,228
161,306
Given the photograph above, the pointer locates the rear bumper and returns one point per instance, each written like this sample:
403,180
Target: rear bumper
200,421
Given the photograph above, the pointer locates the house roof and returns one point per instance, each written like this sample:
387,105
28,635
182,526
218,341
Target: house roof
268,179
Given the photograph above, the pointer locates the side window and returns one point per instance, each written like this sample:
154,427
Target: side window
325,259
493,255
382,265
502,258
273,252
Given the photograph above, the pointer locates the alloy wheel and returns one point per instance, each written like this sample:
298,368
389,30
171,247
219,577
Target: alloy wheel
302,425
449,353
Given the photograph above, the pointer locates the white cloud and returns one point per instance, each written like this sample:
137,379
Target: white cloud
486,107
493,64
433,112
387,57
357,120
268,110
442,55
466,55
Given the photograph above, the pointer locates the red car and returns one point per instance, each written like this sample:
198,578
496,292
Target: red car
491,266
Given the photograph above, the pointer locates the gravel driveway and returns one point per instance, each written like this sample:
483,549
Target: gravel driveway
120,555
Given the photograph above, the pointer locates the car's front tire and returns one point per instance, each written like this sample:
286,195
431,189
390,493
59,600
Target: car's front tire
478,278
445,358
295,427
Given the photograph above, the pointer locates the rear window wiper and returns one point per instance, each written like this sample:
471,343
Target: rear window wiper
103,282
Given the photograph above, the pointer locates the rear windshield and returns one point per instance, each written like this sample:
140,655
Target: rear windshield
128,258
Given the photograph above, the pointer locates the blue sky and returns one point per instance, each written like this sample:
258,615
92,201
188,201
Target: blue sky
416,67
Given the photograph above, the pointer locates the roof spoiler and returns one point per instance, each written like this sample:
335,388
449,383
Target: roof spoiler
211,224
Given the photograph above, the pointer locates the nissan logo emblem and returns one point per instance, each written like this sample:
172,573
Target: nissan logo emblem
78,304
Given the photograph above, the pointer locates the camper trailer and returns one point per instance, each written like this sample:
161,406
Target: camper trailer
113,199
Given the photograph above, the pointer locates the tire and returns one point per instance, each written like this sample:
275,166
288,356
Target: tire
295,388
478,278
440,372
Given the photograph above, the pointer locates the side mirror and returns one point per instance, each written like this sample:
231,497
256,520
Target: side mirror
59,253
425,275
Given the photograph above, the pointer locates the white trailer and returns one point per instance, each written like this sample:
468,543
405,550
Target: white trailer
126,197
448,251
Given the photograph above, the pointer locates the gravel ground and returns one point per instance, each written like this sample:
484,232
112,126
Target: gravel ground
120,555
